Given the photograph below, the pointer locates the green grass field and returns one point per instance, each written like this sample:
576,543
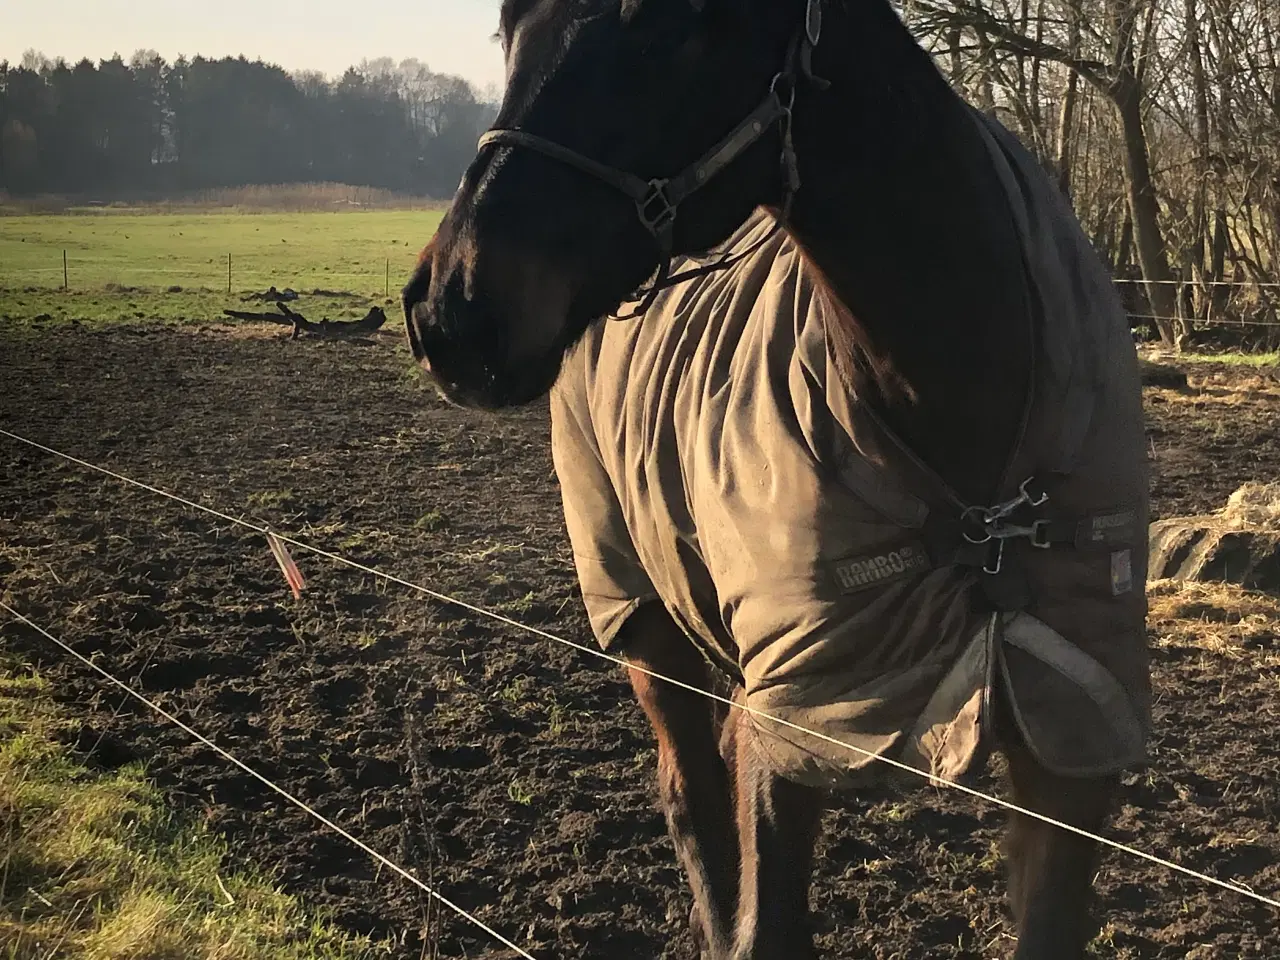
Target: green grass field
130,265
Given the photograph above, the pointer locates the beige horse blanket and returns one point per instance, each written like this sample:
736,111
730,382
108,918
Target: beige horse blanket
710,459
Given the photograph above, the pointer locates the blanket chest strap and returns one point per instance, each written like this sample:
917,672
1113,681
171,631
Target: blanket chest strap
977,538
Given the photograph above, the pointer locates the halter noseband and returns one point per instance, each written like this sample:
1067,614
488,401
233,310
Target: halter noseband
658,200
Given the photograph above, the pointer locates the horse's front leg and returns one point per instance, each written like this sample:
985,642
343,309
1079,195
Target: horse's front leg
778,825
1051,870
692,778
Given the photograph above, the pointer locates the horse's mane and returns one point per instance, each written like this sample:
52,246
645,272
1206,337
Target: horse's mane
861,367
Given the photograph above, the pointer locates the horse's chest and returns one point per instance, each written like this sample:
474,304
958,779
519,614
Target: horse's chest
737,520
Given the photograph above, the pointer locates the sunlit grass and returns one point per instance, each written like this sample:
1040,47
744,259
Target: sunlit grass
94,865
1235,359
173,266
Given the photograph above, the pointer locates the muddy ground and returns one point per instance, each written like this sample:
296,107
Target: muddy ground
514,773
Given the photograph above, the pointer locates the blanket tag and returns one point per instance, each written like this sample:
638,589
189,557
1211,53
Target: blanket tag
1121,572
871,570
1107,529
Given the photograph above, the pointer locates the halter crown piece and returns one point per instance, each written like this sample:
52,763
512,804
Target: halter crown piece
658,200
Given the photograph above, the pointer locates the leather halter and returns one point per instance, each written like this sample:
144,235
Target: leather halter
658,200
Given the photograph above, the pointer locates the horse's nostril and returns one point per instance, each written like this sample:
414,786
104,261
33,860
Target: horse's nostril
412,296
416,329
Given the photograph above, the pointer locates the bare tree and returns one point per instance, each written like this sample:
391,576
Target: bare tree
1161,121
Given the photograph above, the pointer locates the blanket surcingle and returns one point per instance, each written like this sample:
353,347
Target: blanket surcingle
711,459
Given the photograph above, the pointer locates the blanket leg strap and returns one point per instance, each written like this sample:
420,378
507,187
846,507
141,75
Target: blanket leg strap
1074,680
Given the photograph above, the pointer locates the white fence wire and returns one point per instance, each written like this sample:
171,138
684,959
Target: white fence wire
600,654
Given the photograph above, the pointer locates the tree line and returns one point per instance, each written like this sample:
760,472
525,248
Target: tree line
147,126
1159,118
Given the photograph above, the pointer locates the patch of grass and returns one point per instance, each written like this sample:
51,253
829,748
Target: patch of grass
40,309
517,792
1104,944
122,265
432,520
294,197
517,691
93,865
269,499
992,860
361,538
1235,359
523,604
890,812
557,722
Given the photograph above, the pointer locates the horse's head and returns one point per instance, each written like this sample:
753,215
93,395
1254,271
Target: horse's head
615,111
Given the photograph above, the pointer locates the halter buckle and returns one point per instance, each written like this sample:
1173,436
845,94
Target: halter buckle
656,210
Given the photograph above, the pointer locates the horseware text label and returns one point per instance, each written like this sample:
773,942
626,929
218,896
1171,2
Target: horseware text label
1108,528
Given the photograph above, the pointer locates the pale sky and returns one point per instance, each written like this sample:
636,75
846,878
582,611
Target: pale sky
449,36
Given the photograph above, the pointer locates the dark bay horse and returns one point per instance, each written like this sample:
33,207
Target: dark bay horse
828,114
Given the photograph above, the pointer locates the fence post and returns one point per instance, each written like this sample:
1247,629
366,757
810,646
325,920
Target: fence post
386,281
228,274
65,284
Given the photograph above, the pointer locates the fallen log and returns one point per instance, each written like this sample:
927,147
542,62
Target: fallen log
334,329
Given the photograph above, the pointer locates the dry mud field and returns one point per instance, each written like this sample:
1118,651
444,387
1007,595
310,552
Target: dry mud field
516,774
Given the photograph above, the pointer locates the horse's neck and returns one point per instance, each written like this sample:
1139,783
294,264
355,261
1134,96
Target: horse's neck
901,211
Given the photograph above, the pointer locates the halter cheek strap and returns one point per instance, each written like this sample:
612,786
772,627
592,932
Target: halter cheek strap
658,200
